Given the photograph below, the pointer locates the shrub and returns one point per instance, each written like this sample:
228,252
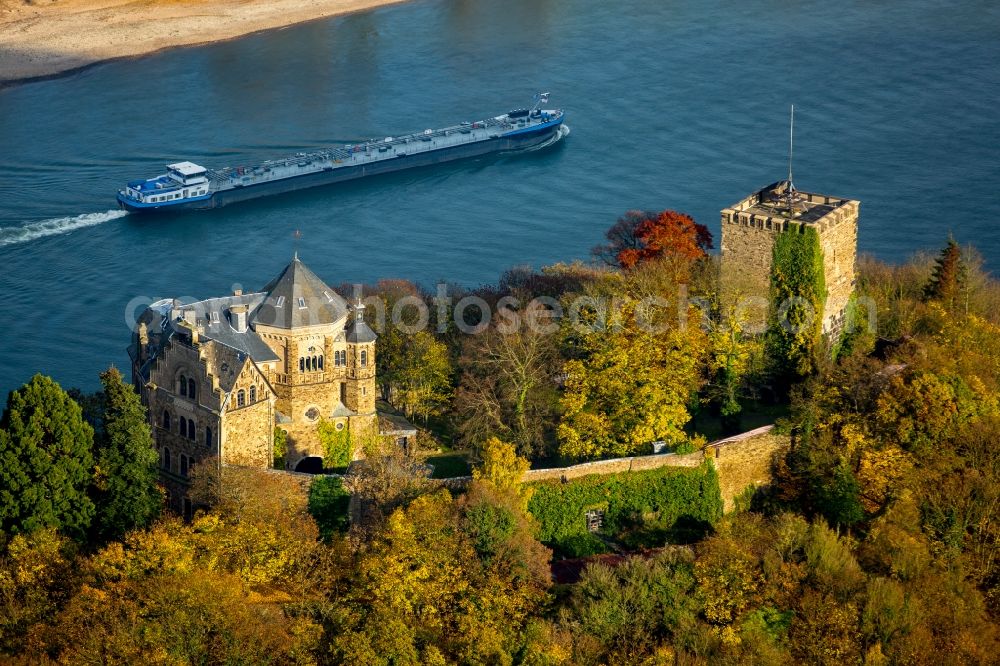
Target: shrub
328,505
336,445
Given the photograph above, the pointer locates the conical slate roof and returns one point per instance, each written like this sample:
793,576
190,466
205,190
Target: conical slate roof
297,297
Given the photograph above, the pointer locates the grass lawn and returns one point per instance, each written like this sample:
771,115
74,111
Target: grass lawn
449,465
753,416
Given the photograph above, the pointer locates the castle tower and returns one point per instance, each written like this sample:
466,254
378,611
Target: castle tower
302,320
360,381
750,227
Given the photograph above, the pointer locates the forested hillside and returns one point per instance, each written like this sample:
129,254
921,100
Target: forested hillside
877,543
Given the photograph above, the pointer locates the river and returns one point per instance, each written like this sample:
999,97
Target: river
671,105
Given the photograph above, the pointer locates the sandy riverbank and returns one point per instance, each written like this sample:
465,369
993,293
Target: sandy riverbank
47,37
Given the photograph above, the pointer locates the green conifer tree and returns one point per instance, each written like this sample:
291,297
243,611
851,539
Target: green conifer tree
127,494
948,277
46,461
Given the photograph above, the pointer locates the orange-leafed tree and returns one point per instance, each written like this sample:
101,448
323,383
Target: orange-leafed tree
642,236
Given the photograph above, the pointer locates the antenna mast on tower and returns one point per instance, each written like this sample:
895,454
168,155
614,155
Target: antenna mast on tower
791,144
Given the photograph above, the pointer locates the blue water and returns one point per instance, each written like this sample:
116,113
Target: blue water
672,105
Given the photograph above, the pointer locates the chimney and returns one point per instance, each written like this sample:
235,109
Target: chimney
143,337
238,318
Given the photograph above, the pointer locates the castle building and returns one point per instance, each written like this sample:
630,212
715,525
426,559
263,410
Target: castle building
750,227
220,374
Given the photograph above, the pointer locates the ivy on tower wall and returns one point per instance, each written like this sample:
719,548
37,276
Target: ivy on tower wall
797,294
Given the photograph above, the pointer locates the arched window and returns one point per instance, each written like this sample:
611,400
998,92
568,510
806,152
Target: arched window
191,391
208,436
184,427
184,386
253,394
191,431
302,364
166,420
184,465
364,357
166,458
320,362
241,398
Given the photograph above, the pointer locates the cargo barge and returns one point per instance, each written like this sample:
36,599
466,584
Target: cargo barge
189,186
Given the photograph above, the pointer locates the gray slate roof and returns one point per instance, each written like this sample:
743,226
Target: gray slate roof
341,410
223,331
282,307
359,331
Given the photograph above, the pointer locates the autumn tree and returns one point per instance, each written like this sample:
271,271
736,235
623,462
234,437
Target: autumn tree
422,594
36,575
622,614
637,237
127,494
391,318
210,592
495,516
338,449
734,356
507,387
423,377
621,236
46,461
387,478
630,385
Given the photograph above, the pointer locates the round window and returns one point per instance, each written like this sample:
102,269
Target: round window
312,413
340,426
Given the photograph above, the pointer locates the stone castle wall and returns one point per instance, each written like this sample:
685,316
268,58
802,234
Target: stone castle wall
838,234
745,461
742,460
747,258
248,434
305,398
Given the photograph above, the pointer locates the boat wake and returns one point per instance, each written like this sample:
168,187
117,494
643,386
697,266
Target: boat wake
55,226
555,138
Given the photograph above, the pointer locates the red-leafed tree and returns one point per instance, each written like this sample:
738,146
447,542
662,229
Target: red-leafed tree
640,236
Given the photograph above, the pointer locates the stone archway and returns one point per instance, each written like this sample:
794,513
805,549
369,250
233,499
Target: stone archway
310,465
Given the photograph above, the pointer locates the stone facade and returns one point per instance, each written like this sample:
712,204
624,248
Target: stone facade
749,229
219,375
